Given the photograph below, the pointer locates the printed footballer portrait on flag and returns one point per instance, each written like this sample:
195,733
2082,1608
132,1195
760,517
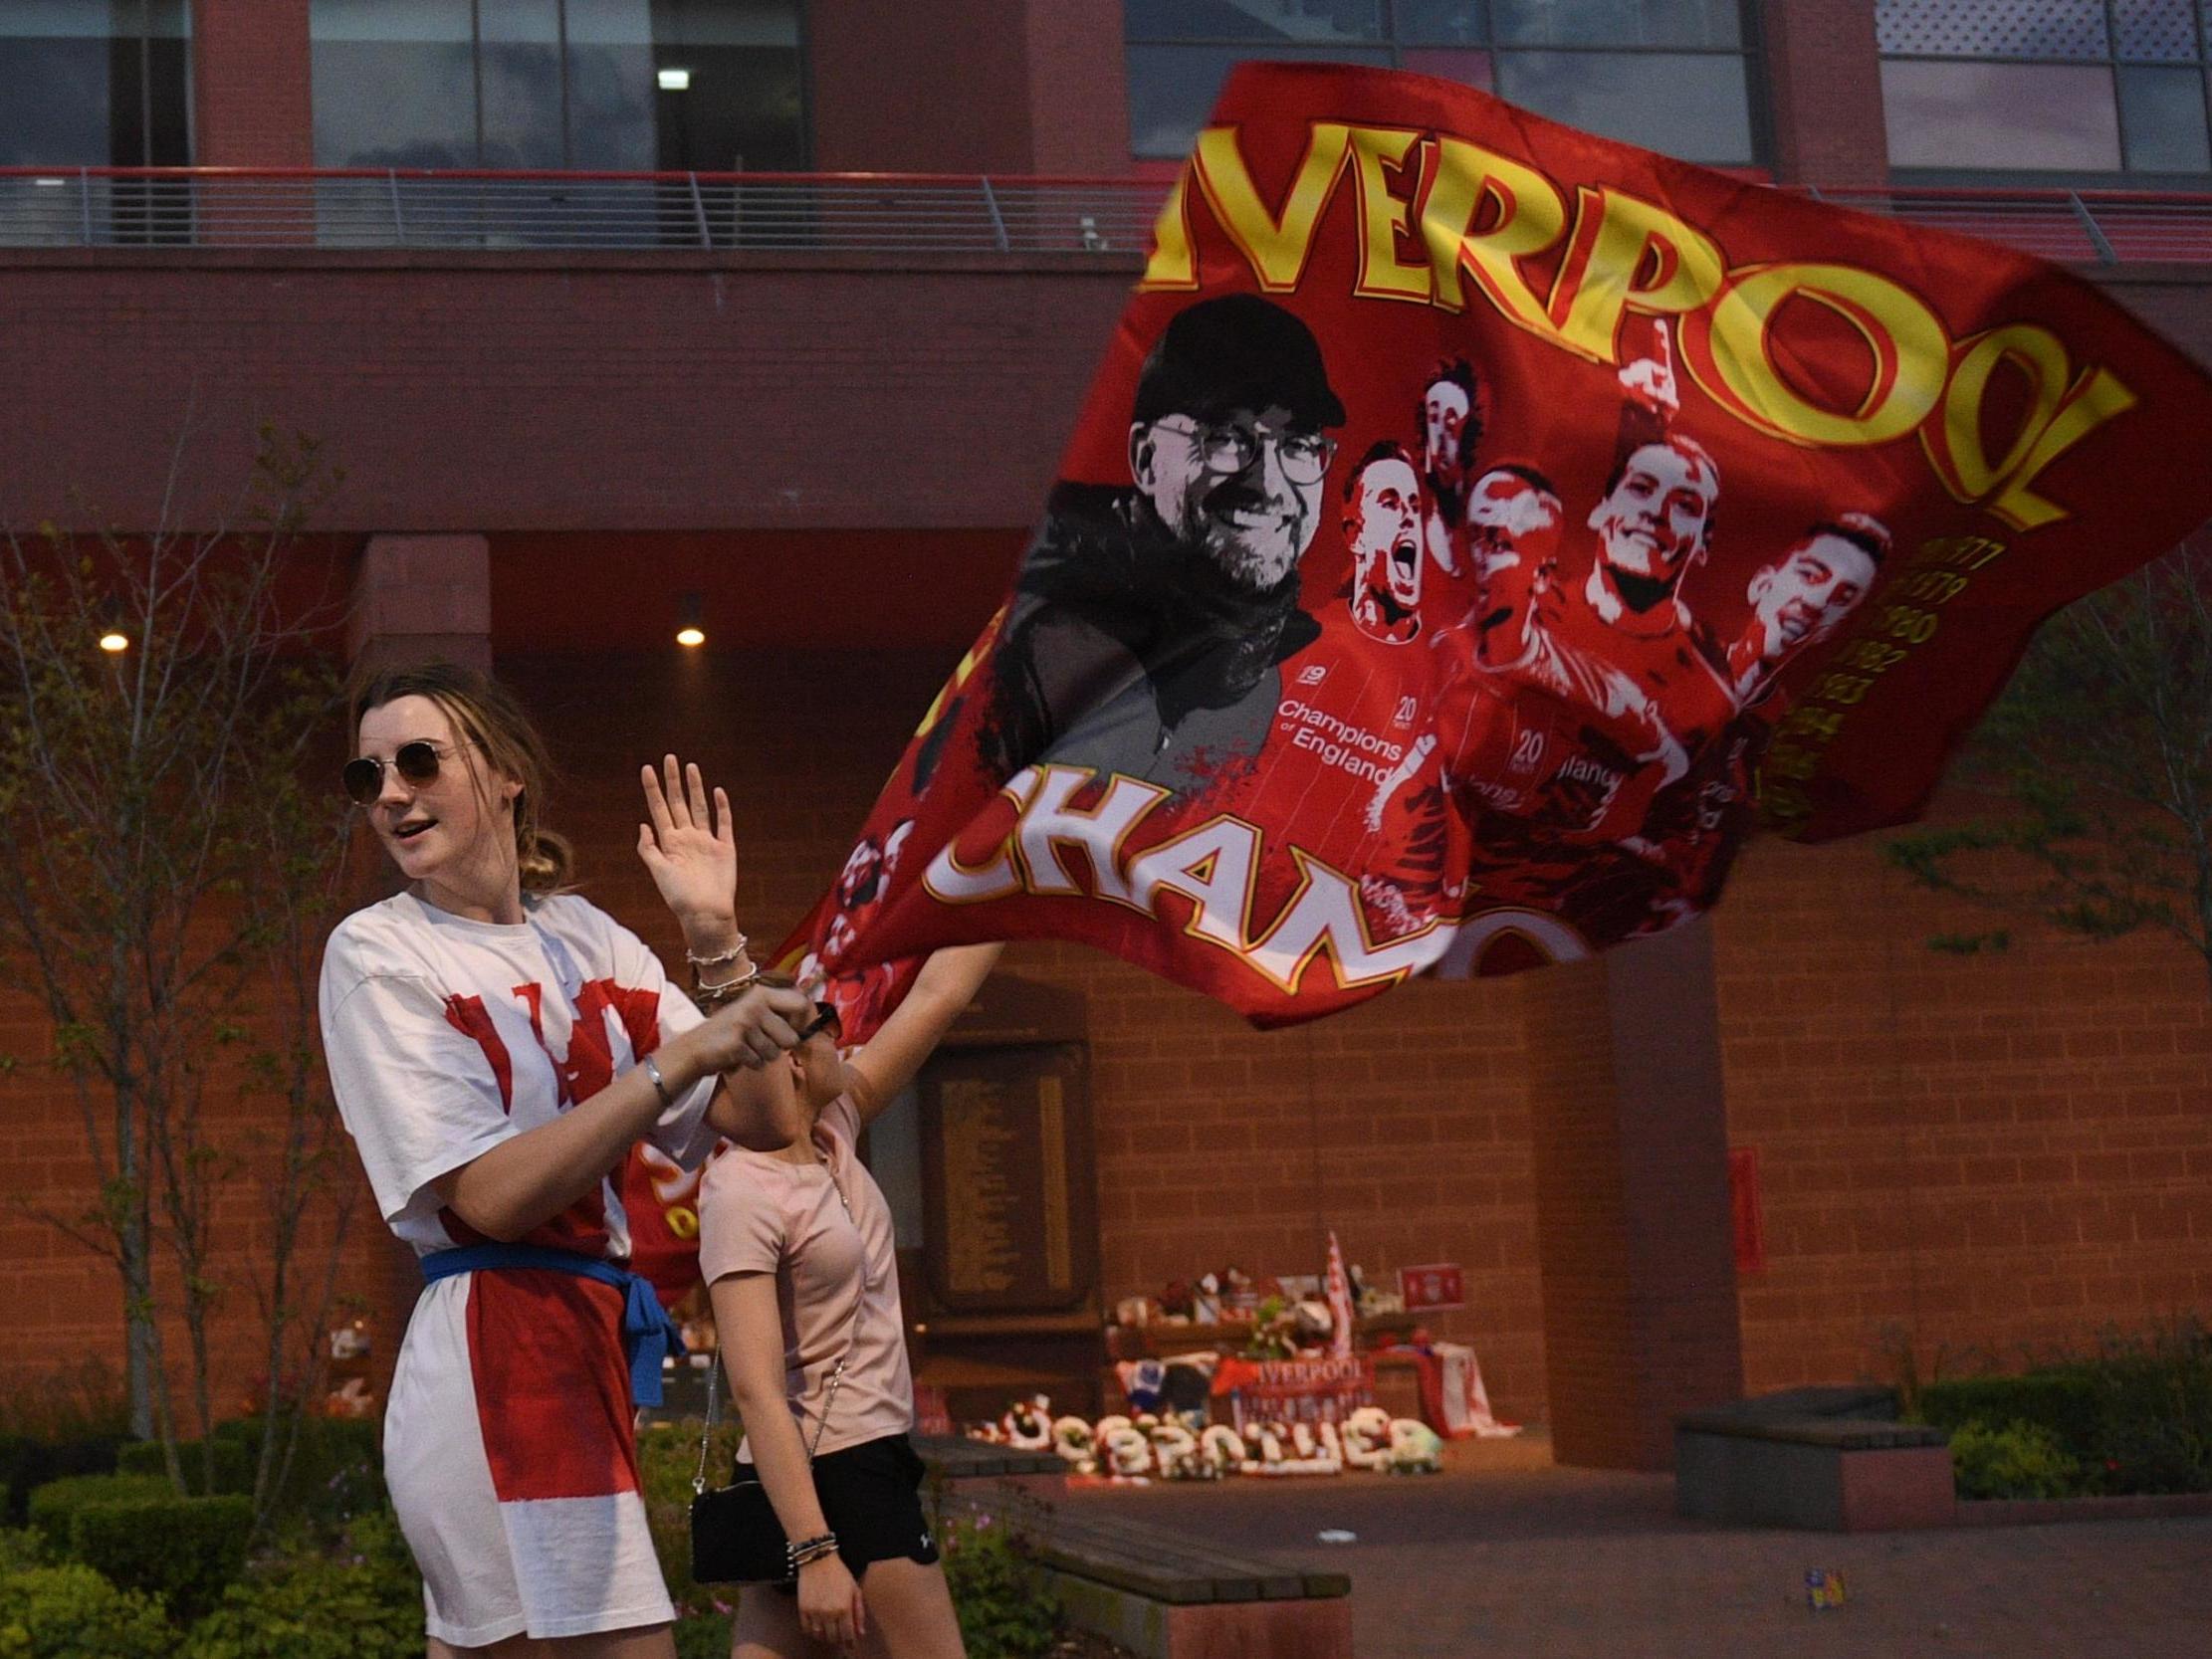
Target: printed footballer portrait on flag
1476,532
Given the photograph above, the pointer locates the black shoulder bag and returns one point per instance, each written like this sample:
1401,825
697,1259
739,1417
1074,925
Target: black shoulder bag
735,1535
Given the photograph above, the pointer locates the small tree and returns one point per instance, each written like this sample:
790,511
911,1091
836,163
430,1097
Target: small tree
2103,745
164,876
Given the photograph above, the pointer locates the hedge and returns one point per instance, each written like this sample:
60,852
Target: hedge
185,1551
53,1506
27,1462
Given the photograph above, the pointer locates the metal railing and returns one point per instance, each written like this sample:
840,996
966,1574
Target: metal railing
858,213
350,208
2085,226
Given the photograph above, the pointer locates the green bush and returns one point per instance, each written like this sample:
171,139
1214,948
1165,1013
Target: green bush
337,1464
364,1605
313,1611
27,1462
183,1550
53,1506
72,1613
1006,1611
20,1549
2062,1401
2155,1396
234,1467
2019,1460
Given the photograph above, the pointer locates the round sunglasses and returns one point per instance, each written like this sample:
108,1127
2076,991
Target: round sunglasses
416,763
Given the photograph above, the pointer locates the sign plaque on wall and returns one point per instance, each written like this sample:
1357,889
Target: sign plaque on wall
1007,1182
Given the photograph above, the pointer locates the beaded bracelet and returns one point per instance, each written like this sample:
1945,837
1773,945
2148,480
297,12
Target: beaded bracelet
797,1556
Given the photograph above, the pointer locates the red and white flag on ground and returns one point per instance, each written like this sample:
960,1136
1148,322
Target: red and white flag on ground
1340,1303
1475,530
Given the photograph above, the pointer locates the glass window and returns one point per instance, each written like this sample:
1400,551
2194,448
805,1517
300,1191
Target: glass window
1688,92
395,84
589,85
1289,22
2154,31
1695,106
1469,69
2016,29
1172,89
2161,118
1681,23
94,84
1442,22
2047,117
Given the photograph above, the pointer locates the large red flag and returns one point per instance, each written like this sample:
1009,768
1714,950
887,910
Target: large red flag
1475,530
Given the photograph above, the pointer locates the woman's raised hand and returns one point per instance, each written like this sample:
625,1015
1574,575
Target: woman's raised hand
690,852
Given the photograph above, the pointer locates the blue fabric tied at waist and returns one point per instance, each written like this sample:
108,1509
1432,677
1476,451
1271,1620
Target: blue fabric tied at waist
649,1336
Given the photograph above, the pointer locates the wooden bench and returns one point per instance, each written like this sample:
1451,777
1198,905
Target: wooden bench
1156,1592
1813,1458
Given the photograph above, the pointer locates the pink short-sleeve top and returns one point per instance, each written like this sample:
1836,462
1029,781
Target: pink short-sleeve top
836,1276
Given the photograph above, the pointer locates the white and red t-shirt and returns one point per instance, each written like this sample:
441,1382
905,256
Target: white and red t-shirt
507,1441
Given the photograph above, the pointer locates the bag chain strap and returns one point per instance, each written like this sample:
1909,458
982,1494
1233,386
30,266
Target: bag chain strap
714,1372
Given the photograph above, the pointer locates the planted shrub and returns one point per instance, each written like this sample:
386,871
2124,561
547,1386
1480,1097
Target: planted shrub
1006,1611
53,1506
27,1462
21,1548
2018,1460
234,1467
313,1611
2063,1402
183,1550
336,1464
72,1613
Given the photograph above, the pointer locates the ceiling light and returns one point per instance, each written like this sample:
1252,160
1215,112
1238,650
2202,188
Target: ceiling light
675,79
690,621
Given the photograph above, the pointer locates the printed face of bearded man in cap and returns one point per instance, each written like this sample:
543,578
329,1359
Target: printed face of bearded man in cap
1226,443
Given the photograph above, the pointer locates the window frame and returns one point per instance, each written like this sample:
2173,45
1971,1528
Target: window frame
1750,52
2125,177
802,19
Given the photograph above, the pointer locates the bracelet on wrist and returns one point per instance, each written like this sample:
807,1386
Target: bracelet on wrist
711,996
652,1069
722,959
811,1550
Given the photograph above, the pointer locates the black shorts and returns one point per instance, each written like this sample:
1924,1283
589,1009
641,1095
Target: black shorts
871,1497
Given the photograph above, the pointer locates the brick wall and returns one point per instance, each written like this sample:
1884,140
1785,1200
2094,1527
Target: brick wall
1979,1153
1988,1153
251,85
1824,92
524,393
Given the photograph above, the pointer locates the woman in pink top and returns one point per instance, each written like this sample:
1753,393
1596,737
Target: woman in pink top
797,1248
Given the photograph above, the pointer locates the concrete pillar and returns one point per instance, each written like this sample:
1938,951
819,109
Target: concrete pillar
1634,1237
422,600
1824,86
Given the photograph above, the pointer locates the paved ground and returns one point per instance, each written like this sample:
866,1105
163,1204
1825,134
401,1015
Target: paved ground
1505,1555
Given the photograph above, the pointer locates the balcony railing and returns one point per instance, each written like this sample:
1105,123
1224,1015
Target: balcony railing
864,213
858,213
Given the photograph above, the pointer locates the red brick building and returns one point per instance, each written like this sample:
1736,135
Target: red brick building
573,409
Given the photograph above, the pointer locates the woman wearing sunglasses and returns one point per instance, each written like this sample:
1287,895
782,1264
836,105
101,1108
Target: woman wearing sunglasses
797,1248
496,1046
